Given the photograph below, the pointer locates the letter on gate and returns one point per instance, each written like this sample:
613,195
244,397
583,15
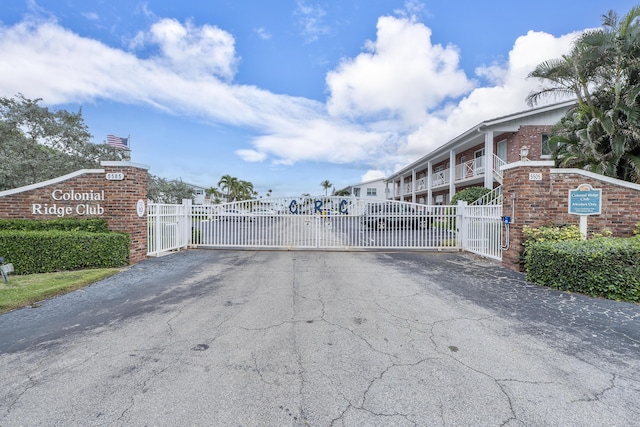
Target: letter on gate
293,207
343,207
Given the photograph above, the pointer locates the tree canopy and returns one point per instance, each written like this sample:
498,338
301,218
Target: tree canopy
162,190
37,144
602,71
326,184
236,189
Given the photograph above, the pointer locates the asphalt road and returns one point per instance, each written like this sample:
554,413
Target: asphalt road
244,338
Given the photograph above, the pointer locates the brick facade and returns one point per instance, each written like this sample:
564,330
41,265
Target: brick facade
88,194
545,202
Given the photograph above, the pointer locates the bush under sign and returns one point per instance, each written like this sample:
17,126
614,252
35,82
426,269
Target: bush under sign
585,200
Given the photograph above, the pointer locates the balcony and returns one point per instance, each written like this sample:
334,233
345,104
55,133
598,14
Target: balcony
468,171
440,178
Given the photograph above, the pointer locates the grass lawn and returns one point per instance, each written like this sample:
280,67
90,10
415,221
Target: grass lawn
22,291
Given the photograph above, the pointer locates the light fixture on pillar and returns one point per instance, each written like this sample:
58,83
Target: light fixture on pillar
524,153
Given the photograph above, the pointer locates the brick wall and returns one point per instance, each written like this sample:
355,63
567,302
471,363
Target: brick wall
88,194
544,202
531,136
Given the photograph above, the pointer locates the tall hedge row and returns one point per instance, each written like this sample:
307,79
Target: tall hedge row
602,267
48,251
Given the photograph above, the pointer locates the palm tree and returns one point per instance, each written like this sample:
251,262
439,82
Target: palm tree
230,184
244,190
214,194
602,71
326,184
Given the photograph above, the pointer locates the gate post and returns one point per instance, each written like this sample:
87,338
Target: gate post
126,185
462,219
185,223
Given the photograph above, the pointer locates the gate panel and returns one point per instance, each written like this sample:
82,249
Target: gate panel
324,223
482,229
168,227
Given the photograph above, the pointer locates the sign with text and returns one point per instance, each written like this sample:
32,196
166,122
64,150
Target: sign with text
585,200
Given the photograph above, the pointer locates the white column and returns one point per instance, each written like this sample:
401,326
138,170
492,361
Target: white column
452,173
413,186
429,191
488,159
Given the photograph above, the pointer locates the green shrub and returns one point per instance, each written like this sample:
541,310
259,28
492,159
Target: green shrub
92,225
602,267
550,233
48,251
636,231
469,195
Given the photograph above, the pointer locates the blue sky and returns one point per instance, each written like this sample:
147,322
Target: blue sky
285,93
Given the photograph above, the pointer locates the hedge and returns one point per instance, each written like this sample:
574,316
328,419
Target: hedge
48,251
602,267
91,225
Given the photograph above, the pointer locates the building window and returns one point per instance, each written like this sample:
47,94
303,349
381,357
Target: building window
372,192
546,149
502,150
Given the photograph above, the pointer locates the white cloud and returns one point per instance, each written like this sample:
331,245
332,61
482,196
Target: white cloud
262,33
92,16
194,50
251,155
372,175
401,76
311,21
389,105
507,95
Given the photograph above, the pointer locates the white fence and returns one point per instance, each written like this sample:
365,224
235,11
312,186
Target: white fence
169,227
481,229
326,223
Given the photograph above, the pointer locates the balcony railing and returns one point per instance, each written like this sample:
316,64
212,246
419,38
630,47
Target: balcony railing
440,178
497,164
471,169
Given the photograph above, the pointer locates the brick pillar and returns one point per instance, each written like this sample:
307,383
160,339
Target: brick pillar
122,197
526,188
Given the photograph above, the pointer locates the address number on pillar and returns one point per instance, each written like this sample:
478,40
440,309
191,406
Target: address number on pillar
114,176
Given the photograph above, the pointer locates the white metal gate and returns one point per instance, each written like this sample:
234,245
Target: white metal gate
481,229
338,223
168,227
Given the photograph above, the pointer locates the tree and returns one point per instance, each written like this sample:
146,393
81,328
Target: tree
215,195
342,192
602,133
236,189
469,195
162,190
37,144
245,190
326,184
229,184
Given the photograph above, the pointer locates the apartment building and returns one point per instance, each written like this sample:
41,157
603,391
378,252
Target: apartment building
374,189
475,157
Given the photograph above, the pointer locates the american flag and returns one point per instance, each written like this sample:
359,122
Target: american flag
118,142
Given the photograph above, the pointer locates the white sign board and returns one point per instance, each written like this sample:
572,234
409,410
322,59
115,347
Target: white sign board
140,208
114,176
